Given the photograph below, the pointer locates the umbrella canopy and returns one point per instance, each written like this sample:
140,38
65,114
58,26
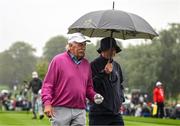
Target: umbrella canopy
113,23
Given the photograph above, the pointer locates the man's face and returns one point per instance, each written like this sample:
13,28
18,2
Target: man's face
78,49
160,86
109,53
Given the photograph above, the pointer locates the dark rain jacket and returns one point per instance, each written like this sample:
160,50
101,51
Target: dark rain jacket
36,85
108,85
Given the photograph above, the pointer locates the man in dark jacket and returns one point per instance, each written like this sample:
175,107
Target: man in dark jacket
35,84
107,78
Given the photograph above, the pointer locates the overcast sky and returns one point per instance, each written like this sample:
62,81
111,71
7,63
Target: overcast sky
36,21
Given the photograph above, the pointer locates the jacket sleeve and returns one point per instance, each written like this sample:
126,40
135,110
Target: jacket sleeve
120,72
155,95
40,83
48,83
30,85
97,76
121,81
90,90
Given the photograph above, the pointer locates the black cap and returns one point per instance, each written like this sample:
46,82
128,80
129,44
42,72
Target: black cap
105,45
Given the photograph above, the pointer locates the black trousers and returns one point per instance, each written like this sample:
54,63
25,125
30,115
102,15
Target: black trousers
106,120
160,110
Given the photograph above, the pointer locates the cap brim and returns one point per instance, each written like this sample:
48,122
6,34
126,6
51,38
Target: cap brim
81,41
118,49
87,41
99,50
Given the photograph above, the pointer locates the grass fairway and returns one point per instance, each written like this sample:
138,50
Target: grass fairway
24,119
140,121
20,119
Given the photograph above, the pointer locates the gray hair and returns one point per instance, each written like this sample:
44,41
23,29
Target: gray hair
67,47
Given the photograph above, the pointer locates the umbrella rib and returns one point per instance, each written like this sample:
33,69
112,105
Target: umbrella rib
150,36
132,22
91,32
100,19
123,34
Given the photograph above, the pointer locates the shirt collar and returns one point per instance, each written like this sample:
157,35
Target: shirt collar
74,58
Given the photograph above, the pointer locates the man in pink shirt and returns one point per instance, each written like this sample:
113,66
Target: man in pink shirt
67,84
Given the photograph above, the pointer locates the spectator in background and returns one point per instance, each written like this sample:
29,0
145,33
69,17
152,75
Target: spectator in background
145,110
158,96
35,84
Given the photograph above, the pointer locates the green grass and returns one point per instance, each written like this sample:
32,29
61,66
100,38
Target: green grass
141,121
24,119
20,119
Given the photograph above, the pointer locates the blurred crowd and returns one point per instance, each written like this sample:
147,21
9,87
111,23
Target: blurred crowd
139,105
136,104
22,99
18,102
10,101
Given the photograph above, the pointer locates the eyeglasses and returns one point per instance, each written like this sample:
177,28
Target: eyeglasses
80,44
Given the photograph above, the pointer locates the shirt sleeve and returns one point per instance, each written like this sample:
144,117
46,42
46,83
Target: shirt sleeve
49,82
30,85
155,95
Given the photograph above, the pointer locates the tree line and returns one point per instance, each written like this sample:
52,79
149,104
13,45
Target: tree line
143,65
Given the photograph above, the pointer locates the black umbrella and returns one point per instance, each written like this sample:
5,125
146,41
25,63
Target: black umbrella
113,23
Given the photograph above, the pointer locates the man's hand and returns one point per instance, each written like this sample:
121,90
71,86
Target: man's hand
98,99
48,110
108,68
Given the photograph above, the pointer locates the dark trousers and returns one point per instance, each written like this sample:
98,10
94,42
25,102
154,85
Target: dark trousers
160,110
105,120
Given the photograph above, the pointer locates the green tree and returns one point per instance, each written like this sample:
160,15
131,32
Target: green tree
17,63
159,60
54,46
140,65
6,68
91,52
170,69
41,68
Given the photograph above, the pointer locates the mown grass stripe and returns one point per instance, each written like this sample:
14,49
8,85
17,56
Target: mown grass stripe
153,120
24,119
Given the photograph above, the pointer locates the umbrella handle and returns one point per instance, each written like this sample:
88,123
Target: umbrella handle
110,58
111,35
112,78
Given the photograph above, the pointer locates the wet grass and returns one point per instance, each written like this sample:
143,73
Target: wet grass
24,119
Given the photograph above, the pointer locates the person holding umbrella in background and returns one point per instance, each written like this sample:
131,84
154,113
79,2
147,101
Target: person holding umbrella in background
107,80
